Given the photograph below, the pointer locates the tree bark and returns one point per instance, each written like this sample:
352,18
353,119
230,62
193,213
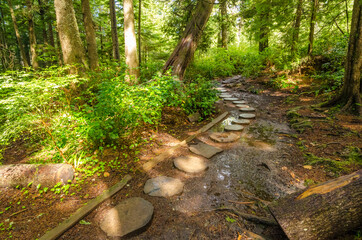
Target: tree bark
264,28
46,175
43,23
139,32
296,27
115,44
32,37
323,211
224,30
350,96
90,34
312,25
17,34
130,41
72,48
185,49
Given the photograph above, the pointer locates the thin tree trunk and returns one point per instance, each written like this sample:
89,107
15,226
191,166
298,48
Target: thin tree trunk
347,21
50,33
32,37
43,23
350,96
115,44
185,49
72,48
224,33
139,31
90,34
312,26
130,41
264,28
18,38
296,27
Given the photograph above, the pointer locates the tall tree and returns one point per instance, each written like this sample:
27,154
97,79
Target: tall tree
32,37
139,31
130,40
350,95
115,44
296,27
224,33
43,22
90,34
185,49
312,26
263,9
72,48
17,34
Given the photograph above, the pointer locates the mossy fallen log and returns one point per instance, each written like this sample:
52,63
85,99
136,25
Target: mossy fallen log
323,211
23,174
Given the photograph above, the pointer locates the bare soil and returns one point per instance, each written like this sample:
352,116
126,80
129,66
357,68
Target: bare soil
267,162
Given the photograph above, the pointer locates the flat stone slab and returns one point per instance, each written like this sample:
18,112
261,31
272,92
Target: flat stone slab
128,216
230,99
248,109
222,90
240,102
247,115
190,164
163,186
241,121
205,150
226,96
224,137
242,106
233,128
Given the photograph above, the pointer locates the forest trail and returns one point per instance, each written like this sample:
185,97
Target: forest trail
248,174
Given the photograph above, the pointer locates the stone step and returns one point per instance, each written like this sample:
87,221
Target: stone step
224,137
205,150
226,96
230,99
247,115
241,121
128,216
240,102
234,128
190,164
247,109
242,106
163,186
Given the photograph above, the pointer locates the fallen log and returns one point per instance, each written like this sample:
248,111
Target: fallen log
46,175
323,211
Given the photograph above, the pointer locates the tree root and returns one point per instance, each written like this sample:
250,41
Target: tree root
250,217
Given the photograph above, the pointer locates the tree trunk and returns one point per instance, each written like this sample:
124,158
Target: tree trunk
312,25
115,44
45,175
43,23
296,27
90,34
72,48
18,38
323,211
32,37
224,30
139,31
350,96
264,28
130,41
185,49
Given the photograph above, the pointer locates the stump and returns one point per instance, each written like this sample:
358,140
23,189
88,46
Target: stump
47,175
323,211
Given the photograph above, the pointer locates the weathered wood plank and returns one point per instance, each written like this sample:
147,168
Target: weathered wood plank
152,163
83,211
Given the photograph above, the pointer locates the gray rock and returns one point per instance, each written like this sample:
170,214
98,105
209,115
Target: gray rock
233,128
190,164
222,90
242,106
163,186
225,95
230,99
194,117
247,109
239,102
205,150
224,137
128,216
241,121
247,115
